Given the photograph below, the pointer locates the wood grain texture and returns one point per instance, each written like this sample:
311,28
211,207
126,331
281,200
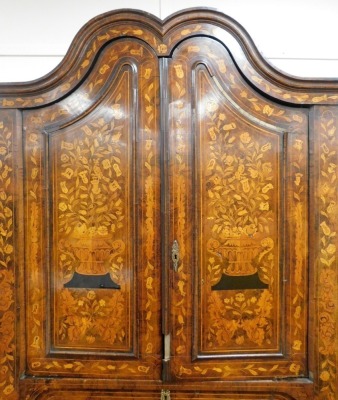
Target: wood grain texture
299,389
163,37
10,252
324,272
239,186
152,133
101,170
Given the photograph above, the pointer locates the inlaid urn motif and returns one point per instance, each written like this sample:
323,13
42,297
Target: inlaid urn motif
91,208
241,190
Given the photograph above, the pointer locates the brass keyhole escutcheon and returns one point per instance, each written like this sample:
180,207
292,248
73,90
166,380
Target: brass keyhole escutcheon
165,394
175,255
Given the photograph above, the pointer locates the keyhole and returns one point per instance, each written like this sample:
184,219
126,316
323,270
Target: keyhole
175,255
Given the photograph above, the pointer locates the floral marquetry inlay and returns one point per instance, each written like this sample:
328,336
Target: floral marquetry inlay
327,252
91,194
239,188
8,350
101,172
94,217
168,216
239,319
240,225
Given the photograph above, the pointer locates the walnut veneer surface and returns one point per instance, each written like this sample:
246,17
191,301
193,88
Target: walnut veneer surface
168,219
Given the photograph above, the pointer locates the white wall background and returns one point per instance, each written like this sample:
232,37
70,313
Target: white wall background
297,36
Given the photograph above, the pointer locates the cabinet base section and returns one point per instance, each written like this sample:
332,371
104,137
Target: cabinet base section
84,389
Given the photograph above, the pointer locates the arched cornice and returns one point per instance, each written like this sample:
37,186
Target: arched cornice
163,37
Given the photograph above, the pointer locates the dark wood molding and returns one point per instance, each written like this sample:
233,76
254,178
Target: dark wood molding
168,161
241,46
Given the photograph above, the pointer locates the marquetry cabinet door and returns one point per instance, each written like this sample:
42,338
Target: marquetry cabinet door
237,188
91,167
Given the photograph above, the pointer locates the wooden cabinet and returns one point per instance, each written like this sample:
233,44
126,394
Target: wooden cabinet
93,227
168,220
238,198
